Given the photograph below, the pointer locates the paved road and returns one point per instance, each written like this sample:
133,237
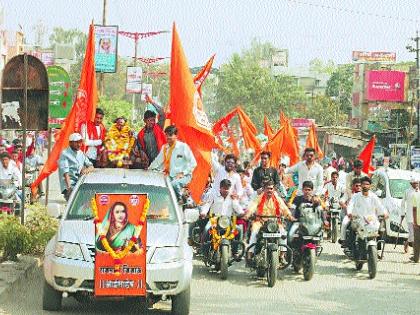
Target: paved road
336,288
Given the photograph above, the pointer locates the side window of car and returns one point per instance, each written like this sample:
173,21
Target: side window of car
378,183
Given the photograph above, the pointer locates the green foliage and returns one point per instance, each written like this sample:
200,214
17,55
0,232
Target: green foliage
326,112
41,226
118,108
318,66
340,86
244,81
14,238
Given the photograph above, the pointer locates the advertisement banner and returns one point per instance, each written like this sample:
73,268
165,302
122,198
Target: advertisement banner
146,89
120,238
134,78
106,43
374,56
47,58
388,86
61,96
302,122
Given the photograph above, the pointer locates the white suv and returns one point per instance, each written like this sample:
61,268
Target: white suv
70,254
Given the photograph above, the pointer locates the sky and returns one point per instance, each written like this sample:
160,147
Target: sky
325,29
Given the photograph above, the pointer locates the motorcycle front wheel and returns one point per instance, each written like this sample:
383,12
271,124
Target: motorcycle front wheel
224,261
297,262
334,230
308,264
372,260
273,263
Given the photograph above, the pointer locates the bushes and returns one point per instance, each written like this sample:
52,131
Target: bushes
31,238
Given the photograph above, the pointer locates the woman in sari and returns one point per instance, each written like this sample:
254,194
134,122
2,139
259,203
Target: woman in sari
117,230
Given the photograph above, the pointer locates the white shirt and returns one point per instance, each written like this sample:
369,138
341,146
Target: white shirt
219,206
342,178
365,205
11,172
328,171
182,160
91,152
221,174
334,192
410,199
315,174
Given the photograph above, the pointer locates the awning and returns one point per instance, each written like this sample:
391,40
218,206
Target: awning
345,141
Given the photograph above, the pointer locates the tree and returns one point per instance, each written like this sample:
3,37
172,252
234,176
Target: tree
326,111
40,30
243,81
318,66
340,86
118,108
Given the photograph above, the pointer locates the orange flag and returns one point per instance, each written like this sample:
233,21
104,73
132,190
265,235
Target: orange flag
249,131
312,141
366,155
188,115
83,110
268,131
233,142
274,145
224,121
202,75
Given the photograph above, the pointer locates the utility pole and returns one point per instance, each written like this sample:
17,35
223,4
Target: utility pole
417,85
101,75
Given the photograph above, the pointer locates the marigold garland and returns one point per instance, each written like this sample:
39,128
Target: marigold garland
119,143
120,255
230,233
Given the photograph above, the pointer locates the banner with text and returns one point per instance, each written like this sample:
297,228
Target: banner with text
120,258
374,56
106,43
61,96
388,86
134,78
147,88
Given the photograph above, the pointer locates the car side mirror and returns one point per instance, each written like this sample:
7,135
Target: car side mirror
191,215
54,210
379,193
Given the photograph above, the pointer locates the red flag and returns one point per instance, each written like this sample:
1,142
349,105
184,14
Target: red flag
249,131
268,131
224,121
83,110
202,75
312,141
188,115
366,155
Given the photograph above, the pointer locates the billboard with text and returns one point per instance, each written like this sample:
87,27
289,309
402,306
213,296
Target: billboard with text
387,86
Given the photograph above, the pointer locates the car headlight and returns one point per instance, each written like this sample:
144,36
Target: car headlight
272,227
68,250
224,222
166,255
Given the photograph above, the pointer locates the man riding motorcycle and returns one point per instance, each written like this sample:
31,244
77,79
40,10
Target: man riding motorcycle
267,204
344,202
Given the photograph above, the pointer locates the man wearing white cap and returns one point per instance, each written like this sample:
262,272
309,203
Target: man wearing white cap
72,163
409,206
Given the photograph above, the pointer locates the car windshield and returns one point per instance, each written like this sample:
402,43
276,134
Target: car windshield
161,205
398,187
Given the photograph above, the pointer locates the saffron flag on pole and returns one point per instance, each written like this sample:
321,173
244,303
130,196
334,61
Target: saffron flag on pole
202,75
366,155
82,111
249,131
188,116
290,145
224,121
268,131
312,141
273,145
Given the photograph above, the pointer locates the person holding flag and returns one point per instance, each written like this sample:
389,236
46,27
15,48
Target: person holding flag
93,133
176,160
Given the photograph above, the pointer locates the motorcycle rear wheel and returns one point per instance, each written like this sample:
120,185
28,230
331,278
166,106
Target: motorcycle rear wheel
372,261
359,266
308,264
297,262
224,261
273,263
334,230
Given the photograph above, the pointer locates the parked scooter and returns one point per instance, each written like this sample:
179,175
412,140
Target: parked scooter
270,243
362,242
305,242
221,247
8,200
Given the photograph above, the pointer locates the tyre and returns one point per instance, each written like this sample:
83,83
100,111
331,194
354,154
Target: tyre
359,266
273,264
181,303
334,230
372,261
51,298
297,262
308,264
260,272
224,261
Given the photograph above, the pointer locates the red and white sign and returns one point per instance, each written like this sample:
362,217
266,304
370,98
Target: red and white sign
374,56
302,122
387,86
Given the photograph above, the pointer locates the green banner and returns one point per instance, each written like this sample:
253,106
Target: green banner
61,96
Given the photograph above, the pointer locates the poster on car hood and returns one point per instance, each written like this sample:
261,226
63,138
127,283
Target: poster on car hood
120,243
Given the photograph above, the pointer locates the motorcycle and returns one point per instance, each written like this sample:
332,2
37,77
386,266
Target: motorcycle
8,200
362,242
270,243
221,248
305,242
334,219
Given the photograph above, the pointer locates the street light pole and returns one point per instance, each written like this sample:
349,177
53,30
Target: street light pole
417,85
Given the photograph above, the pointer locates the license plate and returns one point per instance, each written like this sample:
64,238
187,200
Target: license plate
271,235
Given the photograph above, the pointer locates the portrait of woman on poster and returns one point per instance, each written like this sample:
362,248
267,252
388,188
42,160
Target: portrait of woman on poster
105,46
117,230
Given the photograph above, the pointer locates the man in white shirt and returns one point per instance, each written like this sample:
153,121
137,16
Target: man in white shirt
409,203
93,134
342,175
333,190
328,171
356,173
176,160
9,170
309,170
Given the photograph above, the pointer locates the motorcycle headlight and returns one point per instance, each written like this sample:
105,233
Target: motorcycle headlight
272,227
224,222
166,255
68,250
